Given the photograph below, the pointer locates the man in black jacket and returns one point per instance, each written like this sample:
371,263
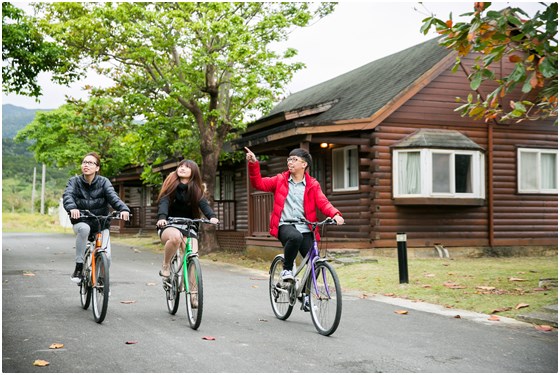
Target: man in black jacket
95,193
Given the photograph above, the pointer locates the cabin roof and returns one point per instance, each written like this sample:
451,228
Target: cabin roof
362,92
436,138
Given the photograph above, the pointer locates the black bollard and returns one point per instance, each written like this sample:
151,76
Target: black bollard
403,264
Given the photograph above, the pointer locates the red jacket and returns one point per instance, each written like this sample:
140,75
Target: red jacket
313,196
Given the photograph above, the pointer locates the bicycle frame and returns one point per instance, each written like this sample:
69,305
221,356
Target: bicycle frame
308,262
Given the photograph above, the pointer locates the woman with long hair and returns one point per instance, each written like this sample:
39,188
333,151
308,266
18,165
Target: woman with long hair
181,195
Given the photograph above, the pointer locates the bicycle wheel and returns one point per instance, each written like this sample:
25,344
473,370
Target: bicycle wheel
85,283
172,288
100,290
326,300
194,292
279,291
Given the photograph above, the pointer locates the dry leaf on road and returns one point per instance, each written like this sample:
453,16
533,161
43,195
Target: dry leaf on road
56,346
401,312
40,363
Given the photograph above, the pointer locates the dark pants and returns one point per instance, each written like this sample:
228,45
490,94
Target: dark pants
293,241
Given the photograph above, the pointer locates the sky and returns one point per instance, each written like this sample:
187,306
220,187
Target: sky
356,33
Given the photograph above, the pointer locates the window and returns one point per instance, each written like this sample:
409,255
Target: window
536,171
224,186
345,169
434,173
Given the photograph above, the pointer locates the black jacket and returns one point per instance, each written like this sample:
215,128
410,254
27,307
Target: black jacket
180,206
95,197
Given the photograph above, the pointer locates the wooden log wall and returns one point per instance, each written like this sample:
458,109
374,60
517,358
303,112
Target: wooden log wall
517,219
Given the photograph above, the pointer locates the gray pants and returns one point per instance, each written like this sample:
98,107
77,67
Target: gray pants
82,232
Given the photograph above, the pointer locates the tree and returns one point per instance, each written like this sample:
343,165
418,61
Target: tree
63,136
194,70
528,42
26,53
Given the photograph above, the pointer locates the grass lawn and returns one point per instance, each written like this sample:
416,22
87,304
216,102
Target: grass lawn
501,286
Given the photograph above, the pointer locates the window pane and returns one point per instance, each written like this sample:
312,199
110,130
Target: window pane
409,172
440,173
528,167
352,167
548,171
463,181
338,170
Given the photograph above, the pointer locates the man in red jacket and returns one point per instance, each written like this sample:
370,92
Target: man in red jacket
296,195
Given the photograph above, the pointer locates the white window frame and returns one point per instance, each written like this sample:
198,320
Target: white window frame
344,151
426,173
539,152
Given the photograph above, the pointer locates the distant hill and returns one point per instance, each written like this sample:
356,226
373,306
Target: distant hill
15,118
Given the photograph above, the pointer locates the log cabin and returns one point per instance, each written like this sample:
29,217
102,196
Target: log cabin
393,155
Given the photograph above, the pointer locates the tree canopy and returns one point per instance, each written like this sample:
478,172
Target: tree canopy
26,54
194,71
528,42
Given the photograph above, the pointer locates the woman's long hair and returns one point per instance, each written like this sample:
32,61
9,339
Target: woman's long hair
195,189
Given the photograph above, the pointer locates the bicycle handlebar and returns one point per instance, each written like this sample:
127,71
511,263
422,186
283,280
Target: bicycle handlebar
112,215
186,221
327,221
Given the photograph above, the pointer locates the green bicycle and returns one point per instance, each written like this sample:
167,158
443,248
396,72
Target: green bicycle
185,273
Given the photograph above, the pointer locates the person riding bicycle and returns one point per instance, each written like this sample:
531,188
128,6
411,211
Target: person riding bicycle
95,193
296,195
181,195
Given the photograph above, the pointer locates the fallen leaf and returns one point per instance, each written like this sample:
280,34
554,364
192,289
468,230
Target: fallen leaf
486,287
544,328
150,284
364,296
540,289
500,309
28,273
426,286
429,275
494,318
127,302
516,279
457,316
40,363
209,338
56,346
131,342
521,305
389,294
254,286
401,312
452,285
263,320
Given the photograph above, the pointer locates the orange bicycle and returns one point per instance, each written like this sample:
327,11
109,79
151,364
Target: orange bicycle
94,283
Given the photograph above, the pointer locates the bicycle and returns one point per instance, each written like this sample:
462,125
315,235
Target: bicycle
319,284
189,282
94,283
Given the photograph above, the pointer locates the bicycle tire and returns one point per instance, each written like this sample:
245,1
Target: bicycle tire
279,291
194,292
173,290
326,305
85,283
100,291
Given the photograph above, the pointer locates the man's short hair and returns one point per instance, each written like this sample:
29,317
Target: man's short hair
304,154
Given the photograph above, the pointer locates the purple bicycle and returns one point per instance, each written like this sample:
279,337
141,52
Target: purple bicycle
318,290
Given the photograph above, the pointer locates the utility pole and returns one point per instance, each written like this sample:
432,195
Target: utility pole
43,177
33,190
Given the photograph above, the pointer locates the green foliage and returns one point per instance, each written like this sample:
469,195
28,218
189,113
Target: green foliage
190,70
17,179
62,137
26,53
529,42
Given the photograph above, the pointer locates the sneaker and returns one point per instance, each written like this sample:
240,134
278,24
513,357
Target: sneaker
307,305
77,275
164,272
287,275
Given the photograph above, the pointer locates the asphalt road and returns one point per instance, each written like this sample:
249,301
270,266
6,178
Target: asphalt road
40,306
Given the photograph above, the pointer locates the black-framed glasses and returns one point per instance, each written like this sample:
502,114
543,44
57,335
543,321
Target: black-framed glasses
293,159
90,163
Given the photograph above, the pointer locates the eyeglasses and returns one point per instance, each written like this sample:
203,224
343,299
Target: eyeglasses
293,159
90,163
